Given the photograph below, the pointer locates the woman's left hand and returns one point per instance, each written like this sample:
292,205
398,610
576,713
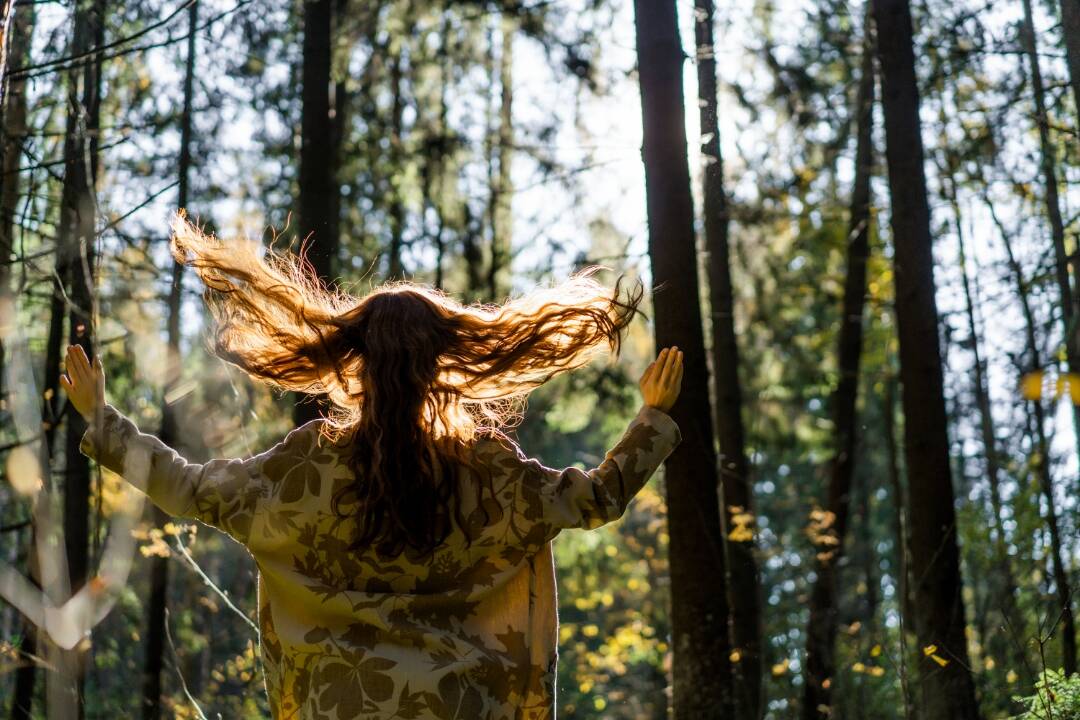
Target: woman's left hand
84,382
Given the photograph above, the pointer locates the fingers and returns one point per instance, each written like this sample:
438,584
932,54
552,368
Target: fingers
647,375
73,365
78,366
671,363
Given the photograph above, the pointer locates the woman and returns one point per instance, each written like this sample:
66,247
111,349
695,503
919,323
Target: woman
403,541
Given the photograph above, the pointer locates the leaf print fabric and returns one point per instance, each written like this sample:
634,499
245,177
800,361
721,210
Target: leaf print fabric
470,632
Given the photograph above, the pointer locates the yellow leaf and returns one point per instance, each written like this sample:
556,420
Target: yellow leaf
858,667
939,660
1031,385
780,668
1011,677
875,651
1073,381
877,671
735,656
741,534
929,650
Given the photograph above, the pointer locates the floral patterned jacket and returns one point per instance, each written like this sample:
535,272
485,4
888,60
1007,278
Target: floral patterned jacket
469,633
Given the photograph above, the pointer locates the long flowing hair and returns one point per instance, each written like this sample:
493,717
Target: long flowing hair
413,376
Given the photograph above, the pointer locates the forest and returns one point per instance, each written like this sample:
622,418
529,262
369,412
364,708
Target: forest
860,221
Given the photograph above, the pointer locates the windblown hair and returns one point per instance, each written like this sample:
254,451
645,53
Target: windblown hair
413,376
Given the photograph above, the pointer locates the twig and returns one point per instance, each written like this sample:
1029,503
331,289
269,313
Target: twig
206,579
176,664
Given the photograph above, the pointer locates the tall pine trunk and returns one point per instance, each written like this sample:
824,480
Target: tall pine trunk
1007,592
735,489
395,268
1070,313
821,630
1041,445
1070,29
499,209
1070,300
15,128
159,569
699,610
320,135
77,238
947,690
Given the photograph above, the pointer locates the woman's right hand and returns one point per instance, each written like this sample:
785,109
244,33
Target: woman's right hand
662,380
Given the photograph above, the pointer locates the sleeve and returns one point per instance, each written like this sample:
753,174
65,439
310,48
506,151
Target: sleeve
550,500
223,493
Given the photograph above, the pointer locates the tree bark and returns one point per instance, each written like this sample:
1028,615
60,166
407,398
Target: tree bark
77,239
1070,29
501,219
320,133
395,269
821,630
734,475
1008,591
1042,447
699,612
159,568
1070,300
948,691
15,110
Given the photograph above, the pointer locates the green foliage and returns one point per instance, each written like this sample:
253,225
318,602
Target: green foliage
1056,698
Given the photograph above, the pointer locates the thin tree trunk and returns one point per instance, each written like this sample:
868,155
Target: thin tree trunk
948,691
78,208
15,109
159,568
320,201
501,189
1070,301
443,150
397,205
1070,29
14,124
699,612
821,630
1042,465
900,529
734,486
981,388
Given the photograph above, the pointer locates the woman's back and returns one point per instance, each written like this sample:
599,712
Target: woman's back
468,632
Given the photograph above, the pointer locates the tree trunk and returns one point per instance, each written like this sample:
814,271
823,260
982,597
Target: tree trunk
1070,29
15,109
395,269
821,630
1008,591
900,530
1042,448
320,194
699,612
501,191
78,208
159,568
948,691
14,124
1070,301
734,486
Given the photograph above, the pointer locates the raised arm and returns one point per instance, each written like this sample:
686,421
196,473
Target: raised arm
223,493
548,500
